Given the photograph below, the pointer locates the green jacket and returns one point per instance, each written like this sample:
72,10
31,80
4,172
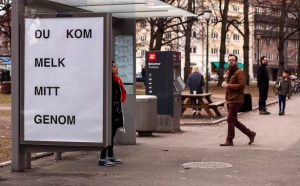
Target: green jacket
284,87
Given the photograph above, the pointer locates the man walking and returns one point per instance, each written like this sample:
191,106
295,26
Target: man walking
263,85
235,85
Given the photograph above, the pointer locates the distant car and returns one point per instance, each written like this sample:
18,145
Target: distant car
215,77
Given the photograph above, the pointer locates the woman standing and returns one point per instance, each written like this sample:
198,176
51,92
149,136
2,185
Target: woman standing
107,157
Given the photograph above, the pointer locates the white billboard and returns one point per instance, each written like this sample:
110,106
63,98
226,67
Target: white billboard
63,85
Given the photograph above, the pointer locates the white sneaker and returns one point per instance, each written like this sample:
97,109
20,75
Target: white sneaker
115,160
105,162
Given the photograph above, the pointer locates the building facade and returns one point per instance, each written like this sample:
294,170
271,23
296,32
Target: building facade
266,38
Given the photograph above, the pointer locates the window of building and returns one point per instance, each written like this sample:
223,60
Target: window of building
236,37
168,35
258,10
142,53
214,35
290,15
227,36
297,44
214,20
194,34
276,28
268,27
268,11
270,56
259,56
235,8
268,41
143,24
279,13
194,50
143,38
259,26
214,51
236,52
290,43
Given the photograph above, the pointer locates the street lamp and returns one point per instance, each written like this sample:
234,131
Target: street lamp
206,15
258,36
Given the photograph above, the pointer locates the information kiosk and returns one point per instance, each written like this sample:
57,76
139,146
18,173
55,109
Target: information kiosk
162,70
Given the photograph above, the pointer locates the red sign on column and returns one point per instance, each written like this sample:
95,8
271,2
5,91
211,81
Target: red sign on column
151,56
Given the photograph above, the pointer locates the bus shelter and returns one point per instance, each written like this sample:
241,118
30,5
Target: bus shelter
61,72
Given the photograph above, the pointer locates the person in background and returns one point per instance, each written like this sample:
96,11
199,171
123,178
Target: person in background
284,89
195,81
235,85
107,157
263,85
143,73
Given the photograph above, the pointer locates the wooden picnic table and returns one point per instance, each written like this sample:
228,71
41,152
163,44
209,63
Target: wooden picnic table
203,101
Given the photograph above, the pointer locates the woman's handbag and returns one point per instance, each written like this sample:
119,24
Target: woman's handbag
247,105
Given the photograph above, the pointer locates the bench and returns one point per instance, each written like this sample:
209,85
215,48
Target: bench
216,104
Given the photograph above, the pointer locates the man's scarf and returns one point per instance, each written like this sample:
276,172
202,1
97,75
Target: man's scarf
232,70
123,91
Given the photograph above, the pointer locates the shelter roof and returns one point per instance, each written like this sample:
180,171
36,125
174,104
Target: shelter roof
129,8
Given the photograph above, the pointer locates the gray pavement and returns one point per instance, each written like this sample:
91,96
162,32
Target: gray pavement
273,159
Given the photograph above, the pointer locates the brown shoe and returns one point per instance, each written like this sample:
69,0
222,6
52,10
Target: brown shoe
251,137
227,143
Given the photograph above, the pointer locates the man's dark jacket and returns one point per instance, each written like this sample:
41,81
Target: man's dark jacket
263,81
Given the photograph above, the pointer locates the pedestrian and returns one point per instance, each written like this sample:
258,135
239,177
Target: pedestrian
143,73
235,85
284,89
263,85
107,157
195,82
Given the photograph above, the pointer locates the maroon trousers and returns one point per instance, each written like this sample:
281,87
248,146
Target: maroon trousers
232,121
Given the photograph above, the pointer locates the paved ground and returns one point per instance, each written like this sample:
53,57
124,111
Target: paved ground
273,159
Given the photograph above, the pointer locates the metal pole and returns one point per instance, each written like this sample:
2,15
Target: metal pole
206,78
257,56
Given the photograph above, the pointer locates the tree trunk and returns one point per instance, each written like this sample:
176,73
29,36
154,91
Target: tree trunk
282,59
223,42
246,41
187,47
298,8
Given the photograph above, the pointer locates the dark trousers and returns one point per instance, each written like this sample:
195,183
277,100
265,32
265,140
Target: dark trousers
281,100
233,122
263,95
109,150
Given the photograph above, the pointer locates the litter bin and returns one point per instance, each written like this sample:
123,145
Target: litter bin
5,87
146,114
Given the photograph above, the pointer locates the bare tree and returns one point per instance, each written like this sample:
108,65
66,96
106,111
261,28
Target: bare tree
246,35
188,35
298,26
224,30
5,27
167,31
